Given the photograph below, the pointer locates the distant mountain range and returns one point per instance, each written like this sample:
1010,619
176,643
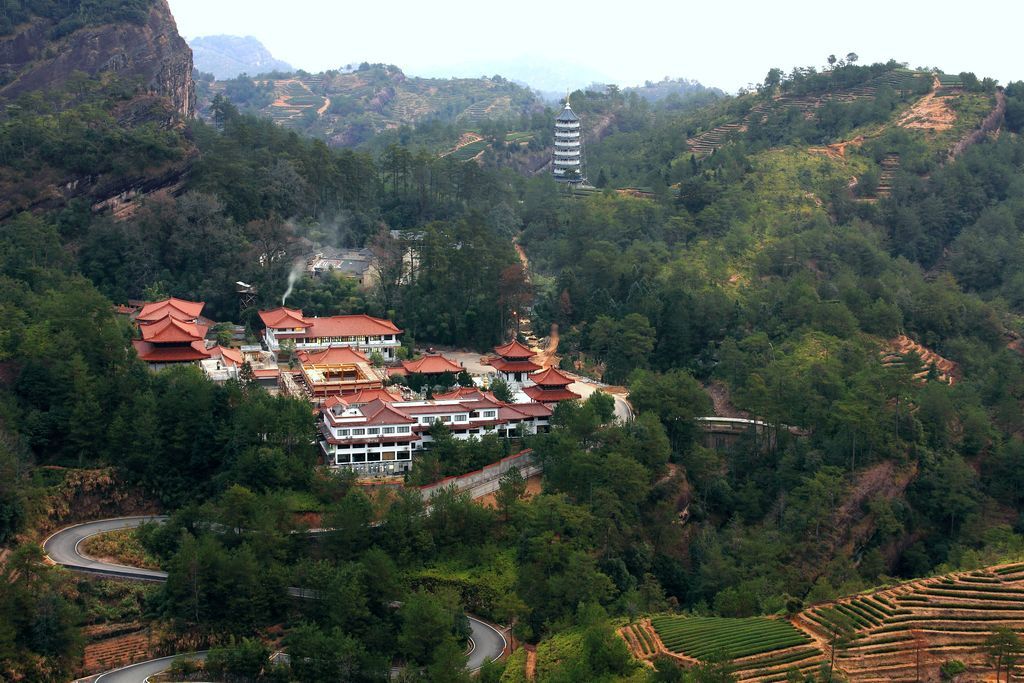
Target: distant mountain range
228,56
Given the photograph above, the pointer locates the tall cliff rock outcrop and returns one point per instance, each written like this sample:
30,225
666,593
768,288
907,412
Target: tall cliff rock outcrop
150,52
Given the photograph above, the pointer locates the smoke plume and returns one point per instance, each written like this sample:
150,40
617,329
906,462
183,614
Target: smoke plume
298,268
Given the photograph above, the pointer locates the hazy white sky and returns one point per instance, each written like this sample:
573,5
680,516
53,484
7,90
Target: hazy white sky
720,43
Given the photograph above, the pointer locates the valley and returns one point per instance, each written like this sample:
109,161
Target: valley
430,379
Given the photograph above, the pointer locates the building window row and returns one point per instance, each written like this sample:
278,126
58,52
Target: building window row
372,431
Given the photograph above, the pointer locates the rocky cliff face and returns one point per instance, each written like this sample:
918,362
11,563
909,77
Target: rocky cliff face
152,53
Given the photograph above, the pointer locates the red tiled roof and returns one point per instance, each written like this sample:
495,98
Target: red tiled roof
282,317
502,365
171,330
432,365
332,355
464,393
177,308
513,350
350,326
370,395
266,372
398,371
334,401
512,412
378,412
481,403
230,356
542,395
552,377
533,409
153,353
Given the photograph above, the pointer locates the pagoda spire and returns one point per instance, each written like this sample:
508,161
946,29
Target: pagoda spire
567,161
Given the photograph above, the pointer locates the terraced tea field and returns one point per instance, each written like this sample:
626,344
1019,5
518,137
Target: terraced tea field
761,648
894,631
938,619
708,141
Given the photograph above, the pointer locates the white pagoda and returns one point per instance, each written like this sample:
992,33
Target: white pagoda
567,165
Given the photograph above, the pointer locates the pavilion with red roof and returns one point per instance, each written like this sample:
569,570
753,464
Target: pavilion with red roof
513,362
431,364
179,309
550,386
171,333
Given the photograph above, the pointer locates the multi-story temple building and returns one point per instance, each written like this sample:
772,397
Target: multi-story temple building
567,164
361,332
513,363
550,386
382,436
171,332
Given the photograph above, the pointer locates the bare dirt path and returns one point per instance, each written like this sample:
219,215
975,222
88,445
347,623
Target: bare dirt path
722,402
327,103
930,112
521,254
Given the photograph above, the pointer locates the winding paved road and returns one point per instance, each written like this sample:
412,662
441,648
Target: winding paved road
488,644
63,548
140,673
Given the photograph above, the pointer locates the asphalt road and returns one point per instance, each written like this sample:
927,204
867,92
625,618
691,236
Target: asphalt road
139,673
63,548
623,411
489,644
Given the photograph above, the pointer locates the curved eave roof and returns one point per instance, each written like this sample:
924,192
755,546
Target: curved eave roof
567,115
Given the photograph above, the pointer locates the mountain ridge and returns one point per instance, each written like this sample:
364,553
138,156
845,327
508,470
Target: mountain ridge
228,56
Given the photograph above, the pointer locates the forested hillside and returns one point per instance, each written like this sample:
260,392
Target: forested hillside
839,260
348,107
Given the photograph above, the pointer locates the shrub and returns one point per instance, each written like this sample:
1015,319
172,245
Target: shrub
951,669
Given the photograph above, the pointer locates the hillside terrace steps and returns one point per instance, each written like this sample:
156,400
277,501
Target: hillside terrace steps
946,617
112,653
709,141
767,666
890,164
902,346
